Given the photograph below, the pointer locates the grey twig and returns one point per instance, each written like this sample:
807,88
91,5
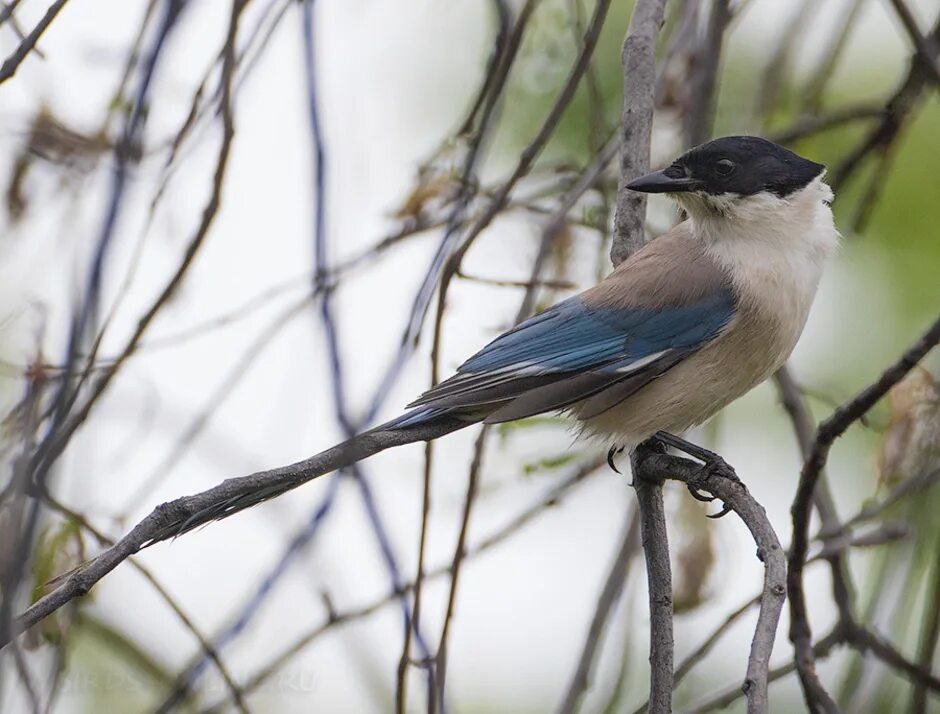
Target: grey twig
460,552
551,498
817,699
896,116
812,95
811,124
925,46
779,60
700,652
13,62
636,124
722,701
58,439
699,114
232,495
734,495
610,594
497,203
210,651
649,494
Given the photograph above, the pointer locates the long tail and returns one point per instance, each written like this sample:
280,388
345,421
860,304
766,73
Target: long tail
236,494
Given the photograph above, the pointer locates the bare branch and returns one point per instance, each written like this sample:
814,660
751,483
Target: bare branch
13,62
926,47
610,594
649,494
206,646
636,124
699,114
832,428
817,123
173,518
897,112
825,70
928,642
735,496
459,552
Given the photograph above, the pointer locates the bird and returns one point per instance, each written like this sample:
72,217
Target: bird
688,323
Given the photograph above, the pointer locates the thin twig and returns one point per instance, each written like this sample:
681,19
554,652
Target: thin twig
825,70
649,494
735,496
636,124
897,113
779,59
722,701
700,112
52,448
205,645
12,63
608,598
460,551
926,47
832,428
334,619
182,515
812,124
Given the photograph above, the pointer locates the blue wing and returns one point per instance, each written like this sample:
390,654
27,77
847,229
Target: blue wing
572,351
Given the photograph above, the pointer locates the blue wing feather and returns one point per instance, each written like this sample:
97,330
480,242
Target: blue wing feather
571,339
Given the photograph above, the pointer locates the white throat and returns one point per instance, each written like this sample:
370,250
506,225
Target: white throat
773,248
761,235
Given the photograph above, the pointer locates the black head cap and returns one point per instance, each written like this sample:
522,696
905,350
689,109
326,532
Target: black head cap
742,165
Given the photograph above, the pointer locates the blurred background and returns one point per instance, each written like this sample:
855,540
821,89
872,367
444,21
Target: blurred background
229,168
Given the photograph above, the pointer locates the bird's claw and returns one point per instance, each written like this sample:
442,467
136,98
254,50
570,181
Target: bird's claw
725,510
699,495
714,466
611,453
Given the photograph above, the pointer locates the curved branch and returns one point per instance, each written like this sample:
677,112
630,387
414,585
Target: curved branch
831,429
735,495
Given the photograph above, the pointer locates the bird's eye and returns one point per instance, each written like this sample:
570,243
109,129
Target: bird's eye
723,167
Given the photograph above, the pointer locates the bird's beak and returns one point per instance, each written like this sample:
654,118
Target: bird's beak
659,182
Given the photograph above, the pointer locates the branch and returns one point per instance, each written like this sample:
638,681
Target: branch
925,46
460,551
610,594
832,428
734,495
928,642
182,515
207,648
722,701
636,124
649,494
865,640
811,124
13,62
336,619
897,113
700,112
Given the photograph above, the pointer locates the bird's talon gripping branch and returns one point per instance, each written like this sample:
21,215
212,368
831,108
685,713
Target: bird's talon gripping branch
698,495
725,510
717,466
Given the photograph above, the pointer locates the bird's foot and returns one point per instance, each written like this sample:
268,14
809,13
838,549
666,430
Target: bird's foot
712,465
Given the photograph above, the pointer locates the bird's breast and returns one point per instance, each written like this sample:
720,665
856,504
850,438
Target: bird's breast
763,333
